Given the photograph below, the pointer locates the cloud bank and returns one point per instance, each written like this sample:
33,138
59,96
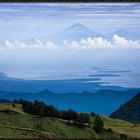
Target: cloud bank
117,42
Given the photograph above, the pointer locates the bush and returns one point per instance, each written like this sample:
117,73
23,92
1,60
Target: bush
82,118
123,136
98,124
13,104
93,114
109,130
80,125
68,123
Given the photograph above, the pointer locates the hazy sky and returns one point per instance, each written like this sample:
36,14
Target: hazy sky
34,20
19,22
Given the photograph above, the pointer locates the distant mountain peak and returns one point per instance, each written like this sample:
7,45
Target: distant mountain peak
127,34
78,26
45,92
74,32
120,30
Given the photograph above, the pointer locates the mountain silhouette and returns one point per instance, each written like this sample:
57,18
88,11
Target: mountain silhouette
127,34
130,111
75,32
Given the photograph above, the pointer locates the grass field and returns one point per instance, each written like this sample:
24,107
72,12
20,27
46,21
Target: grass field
17,123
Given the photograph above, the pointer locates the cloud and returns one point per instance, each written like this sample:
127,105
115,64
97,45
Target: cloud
117,42
90,43
122,42
36,44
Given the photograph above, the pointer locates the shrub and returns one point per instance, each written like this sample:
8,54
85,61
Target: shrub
13,104
98,124
93,114
109,130
123,136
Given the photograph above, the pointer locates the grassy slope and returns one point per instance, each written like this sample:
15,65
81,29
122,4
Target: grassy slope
57,127
47,124
121,126
15,132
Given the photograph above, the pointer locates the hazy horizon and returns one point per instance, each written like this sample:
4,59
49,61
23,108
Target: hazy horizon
58,41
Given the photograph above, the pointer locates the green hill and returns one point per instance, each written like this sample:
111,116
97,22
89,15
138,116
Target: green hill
130,111
16,123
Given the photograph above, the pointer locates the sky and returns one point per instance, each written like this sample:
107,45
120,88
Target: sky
22,22
35,20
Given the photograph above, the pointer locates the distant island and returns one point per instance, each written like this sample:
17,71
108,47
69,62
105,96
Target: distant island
3,75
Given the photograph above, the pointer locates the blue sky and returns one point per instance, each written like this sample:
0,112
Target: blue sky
34,20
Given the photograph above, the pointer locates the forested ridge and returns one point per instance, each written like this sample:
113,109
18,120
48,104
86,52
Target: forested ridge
130,111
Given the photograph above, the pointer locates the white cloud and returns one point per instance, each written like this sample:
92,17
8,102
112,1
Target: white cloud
96,43
122,42
51,45
89,43
101,43
117,42
37,44
9,44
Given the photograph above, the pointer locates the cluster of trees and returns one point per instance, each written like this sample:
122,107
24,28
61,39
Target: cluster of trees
98,124
41,109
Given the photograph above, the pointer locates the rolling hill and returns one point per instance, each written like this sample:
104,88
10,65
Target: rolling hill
16,123
130,111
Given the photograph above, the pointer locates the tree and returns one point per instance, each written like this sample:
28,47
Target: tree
98,124
93,114
13,104
28,107
51,111
71,115
39,108
82,118
123,136
109,130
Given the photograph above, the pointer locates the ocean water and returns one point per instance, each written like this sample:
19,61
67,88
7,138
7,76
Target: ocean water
106,76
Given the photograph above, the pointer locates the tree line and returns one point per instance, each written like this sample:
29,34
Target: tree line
79,119
41,109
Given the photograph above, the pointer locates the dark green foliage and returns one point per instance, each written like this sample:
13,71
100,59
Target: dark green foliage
51,111
28,107
71,115
98,124
109,130
13,104
82,118
130,111
41,109
123,136
93,114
